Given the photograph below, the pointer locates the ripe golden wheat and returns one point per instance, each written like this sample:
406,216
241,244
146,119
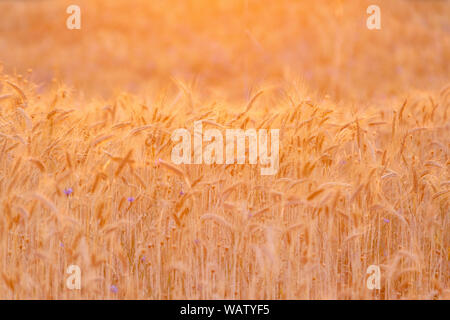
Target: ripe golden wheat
88,181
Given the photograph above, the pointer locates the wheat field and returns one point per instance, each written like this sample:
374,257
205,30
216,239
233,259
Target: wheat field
86,176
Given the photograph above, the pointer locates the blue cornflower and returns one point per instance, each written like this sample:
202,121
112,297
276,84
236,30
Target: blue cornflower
114,289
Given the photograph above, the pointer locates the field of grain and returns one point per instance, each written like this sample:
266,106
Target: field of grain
86,176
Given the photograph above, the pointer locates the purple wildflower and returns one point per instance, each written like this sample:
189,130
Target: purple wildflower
61,245
68,191
196,241
386,220
181,193
114,289
130,199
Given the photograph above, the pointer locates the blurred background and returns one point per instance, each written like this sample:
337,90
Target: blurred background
227,48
